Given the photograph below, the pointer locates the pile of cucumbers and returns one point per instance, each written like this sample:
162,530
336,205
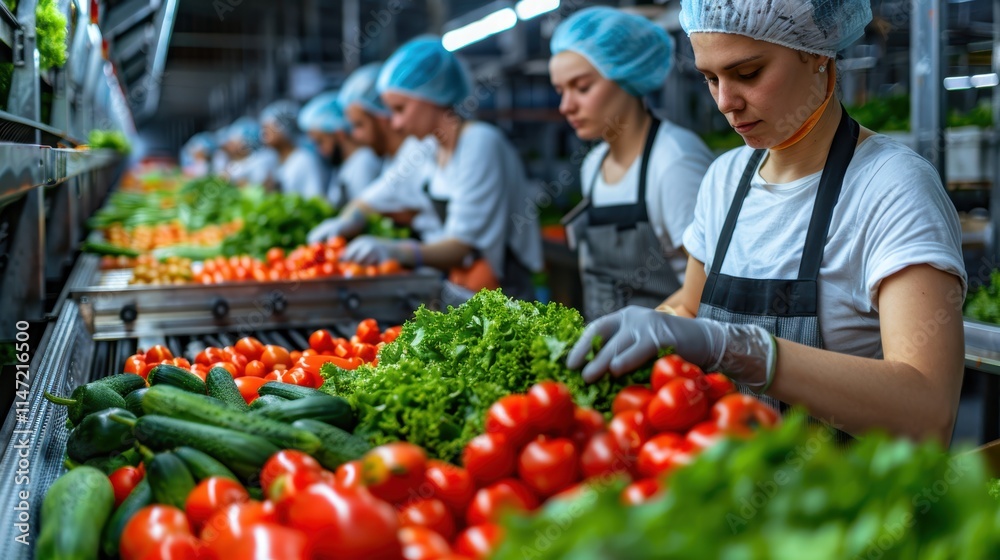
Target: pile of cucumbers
184,430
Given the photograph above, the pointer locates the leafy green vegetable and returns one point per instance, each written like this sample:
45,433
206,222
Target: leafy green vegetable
994,488
383,226
433,385
788,493
984,304
275,220
113,139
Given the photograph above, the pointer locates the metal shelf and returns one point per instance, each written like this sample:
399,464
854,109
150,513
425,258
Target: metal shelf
8,26
21,130
982,346
25,167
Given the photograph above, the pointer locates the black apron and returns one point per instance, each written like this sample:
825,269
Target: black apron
787,309
622,261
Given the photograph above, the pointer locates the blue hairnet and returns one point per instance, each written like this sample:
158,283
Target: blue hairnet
246,131
628,49
283,115
323,113
360,88
424,69
203,141
818,26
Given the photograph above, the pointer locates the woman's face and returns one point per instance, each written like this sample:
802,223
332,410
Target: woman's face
766,91
591,103
326,142
412,116
270,135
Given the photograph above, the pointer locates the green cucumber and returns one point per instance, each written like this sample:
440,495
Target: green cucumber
265,401
220,385
169,479
122,383
133,401
192,252
338,447
288,391
242,453
335,411
173,402
74,512
166,374
202,465
108,249
86,399
140,497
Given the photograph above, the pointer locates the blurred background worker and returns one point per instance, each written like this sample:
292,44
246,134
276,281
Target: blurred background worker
398,192
640,185
249,161
197,153
354,166
478,187
300,169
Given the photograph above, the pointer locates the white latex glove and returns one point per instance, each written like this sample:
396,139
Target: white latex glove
368,249
331,227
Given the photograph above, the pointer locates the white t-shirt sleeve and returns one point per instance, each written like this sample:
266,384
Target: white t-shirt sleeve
672,191
359,171
478,199
304,173
400,185
908,220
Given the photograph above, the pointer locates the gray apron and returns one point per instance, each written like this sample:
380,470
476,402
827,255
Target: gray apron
787,309
622,261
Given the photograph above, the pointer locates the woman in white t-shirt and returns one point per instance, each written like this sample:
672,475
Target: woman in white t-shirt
825,260
640,184
300,169
490,236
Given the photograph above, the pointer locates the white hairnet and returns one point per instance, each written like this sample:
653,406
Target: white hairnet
283,115
244,130
815,26
323,113
424,69
201,142
360,87
628,49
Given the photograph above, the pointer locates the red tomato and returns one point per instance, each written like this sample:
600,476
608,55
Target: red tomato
671,367
631,428
602,456
431,514
314,363
656,455
211,355
274,355
363,351
633,397
420,543
349,474
295,376
491,502
285,462
275,254
181,363
716,386
289,484
511,417
489,458
739,413
178,547
321,341
146,369
123,481
135,364
240,361
210,495
250,347
248,387
228,366
548,466
550,406
677,406
480,541
392,471
368,332
150,526
269,540
255,368
231,523
586,423
158,353
450,484
391,334
295,355
641,491
705,434
344,523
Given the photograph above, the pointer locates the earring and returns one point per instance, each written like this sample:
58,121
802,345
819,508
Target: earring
822,68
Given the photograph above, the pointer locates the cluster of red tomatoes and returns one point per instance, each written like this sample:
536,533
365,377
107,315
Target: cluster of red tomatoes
317,260
253,363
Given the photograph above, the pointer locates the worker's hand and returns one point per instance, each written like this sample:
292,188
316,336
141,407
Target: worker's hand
368,249
331,227
635,335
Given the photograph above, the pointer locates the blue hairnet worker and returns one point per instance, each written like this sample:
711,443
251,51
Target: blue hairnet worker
398,191
323,120
490,237
825,261
249,161
197,154
641,183
300,169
